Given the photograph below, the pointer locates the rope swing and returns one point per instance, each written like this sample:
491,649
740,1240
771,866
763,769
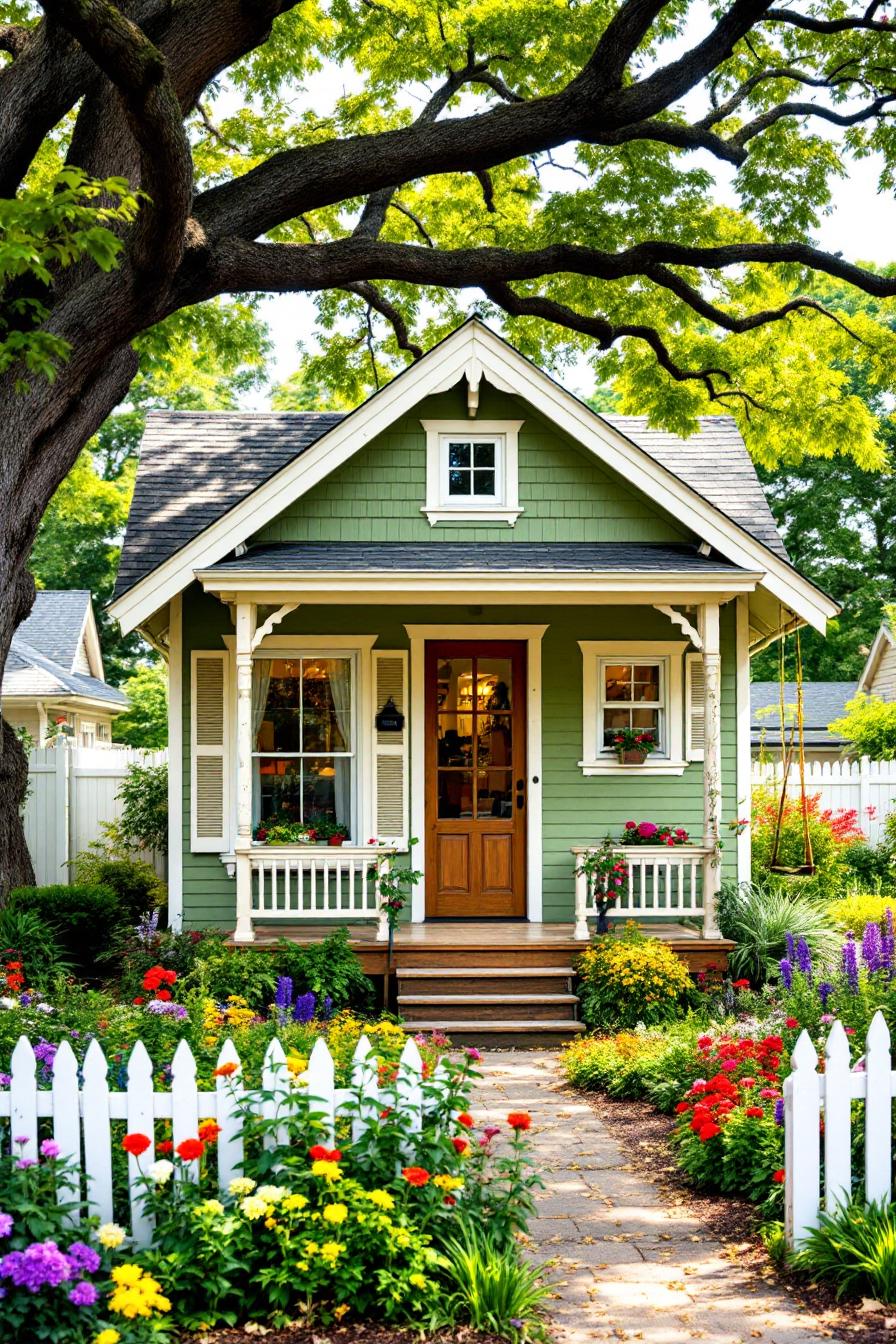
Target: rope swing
807,867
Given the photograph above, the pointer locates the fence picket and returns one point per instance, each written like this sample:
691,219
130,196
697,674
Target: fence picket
229,1097
97,1132
184,1102
274,1077
320,1077
837,1096
877,1110
141,1120
367,1093
23,1100
66,1123
409,1085
802,1146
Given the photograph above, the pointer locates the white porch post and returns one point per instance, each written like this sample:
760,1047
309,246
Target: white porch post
712,765
245,631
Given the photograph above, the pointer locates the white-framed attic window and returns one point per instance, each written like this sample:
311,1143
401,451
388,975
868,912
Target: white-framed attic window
638,684
472,472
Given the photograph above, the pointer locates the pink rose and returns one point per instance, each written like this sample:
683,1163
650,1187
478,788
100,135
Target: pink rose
647,828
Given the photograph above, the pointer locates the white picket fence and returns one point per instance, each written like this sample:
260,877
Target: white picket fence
868,786
72,792
807,1095
82,1108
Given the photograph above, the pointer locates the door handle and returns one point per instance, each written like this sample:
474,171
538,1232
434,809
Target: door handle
520,785
520,800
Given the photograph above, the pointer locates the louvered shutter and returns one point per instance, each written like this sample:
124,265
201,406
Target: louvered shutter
389,785
695,707
208,739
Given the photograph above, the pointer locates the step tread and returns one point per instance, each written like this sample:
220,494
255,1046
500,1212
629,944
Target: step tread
488,998
485,1025
465,972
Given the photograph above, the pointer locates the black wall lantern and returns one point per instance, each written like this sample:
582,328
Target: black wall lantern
390,718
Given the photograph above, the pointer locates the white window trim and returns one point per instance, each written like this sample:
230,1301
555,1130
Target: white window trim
595,759
438,507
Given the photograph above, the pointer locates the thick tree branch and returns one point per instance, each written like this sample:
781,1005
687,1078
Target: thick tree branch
775,114
14,38
813,25
374,299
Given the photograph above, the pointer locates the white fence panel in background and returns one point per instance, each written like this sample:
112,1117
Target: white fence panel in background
72,792
91,1109
868,786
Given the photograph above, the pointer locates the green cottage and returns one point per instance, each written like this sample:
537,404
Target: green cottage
433,617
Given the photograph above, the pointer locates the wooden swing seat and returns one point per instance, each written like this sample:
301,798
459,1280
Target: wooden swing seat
803,870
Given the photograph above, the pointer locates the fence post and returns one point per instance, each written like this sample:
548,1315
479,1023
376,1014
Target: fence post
837,1131
230,1092
364,1084
23,1100
141,1120
97,1132
581,930
320,1077
61,812
273,1079
184,1102
802,1145
877,1111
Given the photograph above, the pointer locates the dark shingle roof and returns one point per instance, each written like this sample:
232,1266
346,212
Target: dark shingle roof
823,701
29,672
54,626
438,556
195,466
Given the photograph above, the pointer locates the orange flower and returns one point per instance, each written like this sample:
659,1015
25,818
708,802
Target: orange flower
519,1120
778,1176
465,1119
224,1070
190,1149
135,1144
415,1175
209,1131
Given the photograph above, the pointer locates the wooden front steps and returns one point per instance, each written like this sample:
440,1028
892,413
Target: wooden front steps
495,1004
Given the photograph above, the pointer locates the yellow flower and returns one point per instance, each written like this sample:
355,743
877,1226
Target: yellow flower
296,1064
335,1213
311,1248
107,1337
110,1235
241,1185
402,1239
270,1222
331,1250
381,1198
293,1202
272,1193
123,1276
302,1266
340,1311
447,1182
209,1206
329,1170
417,1281
253,1207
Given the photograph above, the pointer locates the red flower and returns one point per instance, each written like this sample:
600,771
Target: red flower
791,1022
519,1120
449,1199
778,1176
461,1145
166,1146
225,1070
465,1119
190,1150
740,984
135,1144
682,1107
209,1131
164,995
755,1112
321,1154
704,1041
709,1132
415,1175
139,999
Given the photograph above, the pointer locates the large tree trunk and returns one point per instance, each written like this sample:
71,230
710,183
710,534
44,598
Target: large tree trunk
16,600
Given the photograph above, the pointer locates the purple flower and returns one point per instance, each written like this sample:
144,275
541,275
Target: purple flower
779,1112
826,1019
49,1148
24,1000
84,1257
283,996
804,957
21,1140
303,1010
83,1294
850,963
791,946
887,946
41,1264
165,1008
825,990
786,971
473,1053
25,1162
5,1079
6,1224
872,947
148,927
45,1053
327,1010
888,920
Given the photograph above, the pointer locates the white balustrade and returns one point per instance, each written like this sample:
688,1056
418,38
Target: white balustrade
664,882
300,882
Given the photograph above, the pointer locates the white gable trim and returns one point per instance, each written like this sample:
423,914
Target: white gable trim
91,639
473,351
882,640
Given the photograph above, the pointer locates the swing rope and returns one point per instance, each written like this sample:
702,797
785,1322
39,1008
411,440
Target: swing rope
797,737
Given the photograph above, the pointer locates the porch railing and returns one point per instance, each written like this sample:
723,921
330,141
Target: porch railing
663,883
301,882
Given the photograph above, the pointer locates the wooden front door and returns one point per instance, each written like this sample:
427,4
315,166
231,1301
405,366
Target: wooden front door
475,779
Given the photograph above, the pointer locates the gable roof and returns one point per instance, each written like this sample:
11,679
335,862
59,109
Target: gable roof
823,701
883,640
55,625
29,673
730,514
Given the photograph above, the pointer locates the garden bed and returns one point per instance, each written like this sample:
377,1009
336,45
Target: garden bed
361,1333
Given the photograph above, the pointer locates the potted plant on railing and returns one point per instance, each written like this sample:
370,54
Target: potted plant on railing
278,831
633,745
329,832
654,833
606,876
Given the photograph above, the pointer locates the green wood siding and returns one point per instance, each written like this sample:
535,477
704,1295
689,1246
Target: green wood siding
576,809
565,493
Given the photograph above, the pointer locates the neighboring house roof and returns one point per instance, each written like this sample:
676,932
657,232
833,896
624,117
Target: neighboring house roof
195,466
480,555
883,640
823,701
51,649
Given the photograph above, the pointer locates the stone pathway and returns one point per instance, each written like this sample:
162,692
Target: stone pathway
629,1264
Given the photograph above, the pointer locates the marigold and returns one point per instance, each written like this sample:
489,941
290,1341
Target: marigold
272,1193
209,1130
253,1207
109,1336
415,1175
328,1170
335,1213
241,1185
135,1144
190,1150
225,1070
448,1183
465,1119
519,1120
110,1235
381,1198
755,1112
331,1250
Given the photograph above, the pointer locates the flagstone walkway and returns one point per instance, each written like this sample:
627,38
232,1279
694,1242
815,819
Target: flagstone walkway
629,1265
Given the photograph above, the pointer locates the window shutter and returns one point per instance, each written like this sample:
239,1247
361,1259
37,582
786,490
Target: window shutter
389,786
208,740
695,707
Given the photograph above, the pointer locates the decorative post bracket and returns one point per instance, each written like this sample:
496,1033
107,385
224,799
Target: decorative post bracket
678,618
274,619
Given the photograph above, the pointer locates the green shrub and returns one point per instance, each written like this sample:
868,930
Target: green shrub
329,969
852,913
870,725
144,816
759,915
869,864
490,1288
219,971
136,885
87,921
627,978
831,833
36,942
658,1066
854,1250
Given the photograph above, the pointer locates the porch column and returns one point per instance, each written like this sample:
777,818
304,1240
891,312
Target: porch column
245,632
712,765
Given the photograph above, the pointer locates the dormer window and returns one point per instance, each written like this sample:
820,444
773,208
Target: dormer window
471,471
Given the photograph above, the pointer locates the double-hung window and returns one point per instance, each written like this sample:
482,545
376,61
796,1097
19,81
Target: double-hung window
305,758
471,471
636,684
632,695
